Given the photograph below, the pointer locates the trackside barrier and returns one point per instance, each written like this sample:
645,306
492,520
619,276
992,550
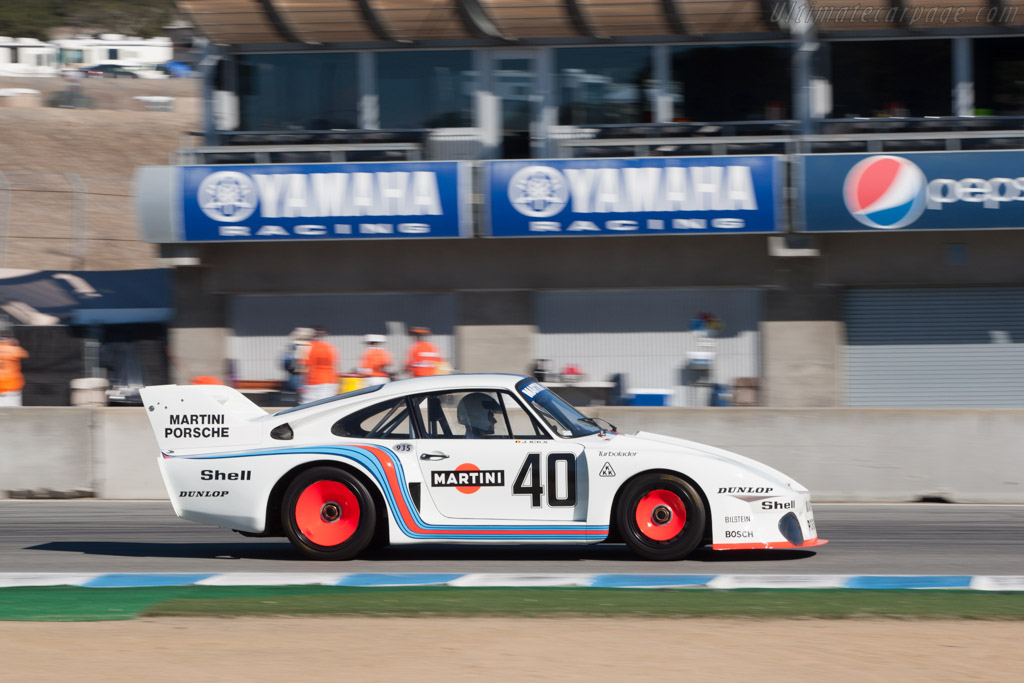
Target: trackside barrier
659,581
840,454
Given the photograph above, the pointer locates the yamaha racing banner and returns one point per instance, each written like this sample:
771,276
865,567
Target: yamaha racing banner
916,191
324,201
635,196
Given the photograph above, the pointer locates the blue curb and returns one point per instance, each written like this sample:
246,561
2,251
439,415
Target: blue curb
138,580
398,579
907,582
651,580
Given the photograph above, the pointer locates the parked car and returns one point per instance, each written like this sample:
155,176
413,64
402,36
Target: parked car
175,69
108,71
460,458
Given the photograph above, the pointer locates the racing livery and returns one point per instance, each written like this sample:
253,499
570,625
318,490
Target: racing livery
485,458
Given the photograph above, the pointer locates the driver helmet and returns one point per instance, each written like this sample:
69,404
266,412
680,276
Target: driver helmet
476,411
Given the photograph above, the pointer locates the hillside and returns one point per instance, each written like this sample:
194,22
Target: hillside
39,145
36,18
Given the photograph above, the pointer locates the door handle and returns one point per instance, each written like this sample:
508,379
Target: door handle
434,456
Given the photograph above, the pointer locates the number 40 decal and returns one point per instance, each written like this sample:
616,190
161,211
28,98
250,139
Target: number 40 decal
535,489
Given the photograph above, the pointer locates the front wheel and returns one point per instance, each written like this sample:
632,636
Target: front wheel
661,517
328,514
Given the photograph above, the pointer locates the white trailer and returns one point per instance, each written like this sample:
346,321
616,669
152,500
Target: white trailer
27,57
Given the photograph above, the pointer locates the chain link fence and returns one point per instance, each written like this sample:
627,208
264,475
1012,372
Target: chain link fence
69,221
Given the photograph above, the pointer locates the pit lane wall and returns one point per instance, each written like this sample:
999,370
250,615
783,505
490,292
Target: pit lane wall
840,454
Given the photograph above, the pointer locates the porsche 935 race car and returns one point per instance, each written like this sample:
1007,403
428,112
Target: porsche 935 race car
482,458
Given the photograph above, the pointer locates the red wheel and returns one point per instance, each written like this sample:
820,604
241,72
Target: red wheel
328,514
660,516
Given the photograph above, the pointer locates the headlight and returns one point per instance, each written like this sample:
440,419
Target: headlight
789,527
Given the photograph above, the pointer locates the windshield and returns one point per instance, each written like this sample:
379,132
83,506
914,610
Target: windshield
560,416
330,399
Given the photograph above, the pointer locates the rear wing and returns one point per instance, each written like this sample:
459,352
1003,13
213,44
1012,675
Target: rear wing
201,416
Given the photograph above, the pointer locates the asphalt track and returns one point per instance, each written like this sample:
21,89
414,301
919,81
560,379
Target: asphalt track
145,536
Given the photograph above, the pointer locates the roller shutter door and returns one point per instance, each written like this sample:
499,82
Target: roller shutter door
942,346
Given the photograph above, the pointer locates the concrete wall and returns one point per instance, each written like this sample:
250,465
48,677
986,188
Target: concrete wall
840,454
47,451
862,454
126,455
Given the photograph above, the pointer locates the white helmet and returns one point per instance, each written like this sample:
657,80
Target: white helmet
476,410
375,339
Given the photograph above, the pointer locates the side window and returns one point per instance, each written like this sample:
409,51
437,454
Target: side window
388,420
463,415
522,424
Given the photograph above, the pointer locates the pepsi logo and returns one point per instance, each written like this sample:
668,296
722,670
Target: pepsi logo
885,192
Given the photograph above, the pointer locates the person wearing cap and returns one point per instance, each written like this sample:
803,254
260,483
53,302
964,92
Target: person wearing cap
322,369
424,357
375,363
11,379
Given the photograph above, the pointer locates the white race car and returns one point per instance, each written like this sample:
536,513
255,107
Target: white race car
485,458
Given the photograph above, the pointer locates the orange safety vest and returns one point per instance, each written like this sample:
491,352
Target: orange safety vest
423,359
11,378
373,362
322,363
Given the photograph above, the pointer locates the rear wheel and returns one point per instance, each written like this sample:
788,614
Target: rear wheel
661,517
328,514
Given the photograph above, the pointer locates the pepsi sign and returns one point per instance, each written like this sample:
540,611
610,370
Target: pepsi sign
636,196
324,201
916,191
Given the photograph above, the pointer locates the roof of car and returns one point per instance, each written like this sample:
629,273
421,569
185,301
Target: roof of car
415,385
454,381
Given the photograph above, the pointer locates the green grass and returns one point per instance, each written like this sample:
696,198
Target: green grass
92,604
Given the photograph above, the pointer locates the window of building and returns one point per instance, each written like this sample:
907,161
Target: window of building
315,91
431,89
71,56
112,53
998,76
604,85
892,78
731,83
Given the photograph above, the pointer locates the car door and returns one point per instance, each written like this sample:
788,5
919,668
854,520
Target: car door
503,467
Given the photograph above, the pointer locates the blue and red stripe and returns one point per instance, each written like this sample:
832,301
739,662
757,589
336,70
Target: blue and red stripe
381,463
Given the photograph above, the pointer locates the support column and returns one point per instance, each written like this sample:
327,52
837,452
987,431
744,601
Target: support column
369,102
963,77
662,105
487,113
495,332
805,46
802,337
197,340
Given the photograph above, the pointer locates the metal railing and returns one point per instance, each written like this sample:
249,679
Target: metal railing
268,154
795,144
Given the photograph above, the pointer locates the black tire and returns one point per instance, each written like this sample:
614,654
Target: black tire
660,540
328,514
